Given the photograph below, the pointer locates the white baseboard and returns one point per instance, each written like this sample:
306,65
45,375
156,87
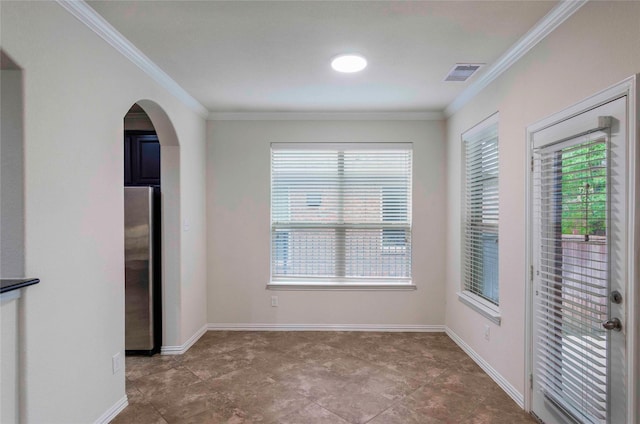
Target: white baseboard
327,327
495,375
179,350
111,413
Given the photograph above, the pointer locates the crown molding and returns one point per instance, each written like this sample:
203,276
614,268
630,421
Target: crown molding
544,27
326,116
88,16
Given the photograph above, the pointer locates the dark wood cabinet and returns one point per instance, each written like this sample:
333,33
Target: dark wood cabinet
127,159
141,158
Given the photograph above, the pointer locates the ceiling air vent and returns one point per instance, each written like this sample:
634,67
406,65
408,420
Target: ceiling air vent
462,71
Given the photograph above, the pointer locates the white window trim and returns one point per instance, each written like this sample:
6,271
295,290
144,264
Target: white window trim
305,285
480,305
340,146
484,307
368,284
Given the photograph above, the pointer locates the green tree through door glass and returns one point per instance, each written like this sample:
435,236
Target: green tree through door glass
584,190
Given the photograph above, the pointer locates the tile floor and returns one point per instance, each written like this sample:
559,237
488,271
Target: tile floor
315,377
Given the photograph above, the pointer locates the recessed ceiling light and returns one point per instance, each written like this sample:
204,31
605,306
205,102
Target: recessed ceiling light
349,63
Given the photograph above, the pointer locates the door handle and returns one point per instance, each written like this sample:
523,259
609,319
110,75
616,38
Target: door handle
612,324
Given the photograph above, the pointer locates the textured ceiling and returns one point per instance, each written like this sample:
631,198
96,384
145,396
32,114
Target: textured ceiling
273,56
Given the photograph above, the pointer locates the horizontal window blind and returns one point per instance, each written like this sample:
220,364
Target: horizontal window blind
481,212
341,212
571,206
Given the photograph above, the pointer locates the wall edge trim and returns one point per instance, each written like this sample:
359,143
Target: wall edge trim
180,349
324,327
95,22
326,116
535,35
513,393
113,411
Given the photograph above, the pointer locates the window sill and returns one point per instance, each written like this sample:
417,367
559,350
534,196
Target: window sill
481,306
341,286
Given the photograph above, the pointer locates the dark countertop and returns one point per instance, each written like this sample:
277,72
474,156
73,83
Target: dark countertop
8,284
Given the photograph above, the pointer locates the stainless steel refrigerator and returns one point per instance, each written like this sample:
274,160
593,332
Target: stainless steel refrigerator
142,270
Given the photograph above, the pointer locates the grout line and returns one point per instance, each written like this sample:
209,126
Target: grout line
332,412
335,413
393,404
146,401
159,413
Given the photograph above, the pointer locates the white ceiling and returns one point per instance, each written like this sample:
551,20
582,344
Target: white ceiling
273,56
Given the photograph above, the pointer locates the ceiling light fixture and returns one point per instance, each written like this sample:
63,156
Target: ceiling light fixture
349,63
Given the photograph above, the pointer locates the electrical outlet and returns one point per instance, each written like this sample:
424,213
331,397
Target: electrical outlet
116,362
487,332
274,301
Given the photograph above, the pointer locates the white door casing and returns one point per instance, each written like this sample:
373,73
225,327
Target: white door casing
566,345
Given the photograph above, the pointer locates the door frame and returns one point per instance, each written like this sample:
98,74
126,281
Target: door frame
629,88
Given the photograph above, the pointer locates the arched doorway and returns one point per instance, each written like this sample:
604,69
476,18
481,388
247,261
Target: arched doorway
147,117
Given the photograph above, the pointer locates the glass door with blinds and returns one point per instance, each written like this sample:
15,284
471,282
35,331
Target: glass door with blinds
580,230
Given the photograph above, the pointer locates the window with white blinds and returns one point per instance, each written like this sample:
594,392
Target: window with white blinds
341,213
480,264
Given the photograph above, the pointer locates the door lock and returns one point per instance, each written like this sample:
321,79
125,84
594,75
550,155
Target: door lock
612,324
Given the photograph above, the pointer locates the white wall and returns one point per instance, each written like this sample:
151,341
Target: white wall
11,234
238,202
77,90
11,175
596,48
9,360
193,261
